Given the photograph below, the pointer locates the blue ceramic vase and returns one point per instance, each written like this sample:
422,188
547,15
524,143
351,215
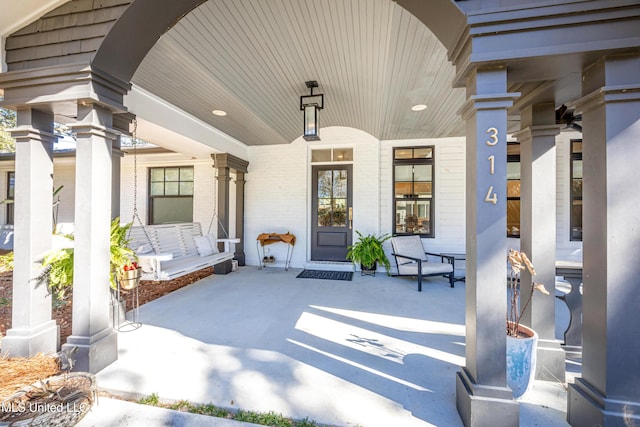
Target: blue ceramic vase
521,360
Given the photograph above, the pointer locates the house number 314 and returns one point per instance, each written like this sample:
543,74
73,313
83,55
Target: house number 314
491,196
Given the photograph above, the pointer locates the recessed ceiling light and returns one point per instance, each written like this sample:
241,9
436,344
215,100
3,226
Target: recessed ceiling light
219,113
419,107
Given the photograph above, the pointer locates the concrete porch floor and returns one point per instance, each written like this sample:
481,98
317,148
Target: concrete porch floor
369,352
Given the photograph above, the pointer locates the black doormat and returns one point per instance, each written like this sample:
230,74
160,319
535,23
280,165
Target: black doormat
327,275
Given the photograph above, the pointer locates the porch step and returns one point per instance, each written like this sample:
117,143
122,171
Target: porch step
328,266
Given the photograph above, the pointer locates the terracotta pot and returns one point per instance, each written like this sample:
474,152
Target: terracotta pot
521,360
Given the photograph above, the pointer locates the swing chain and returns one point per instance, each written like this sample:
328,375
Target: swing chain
136,215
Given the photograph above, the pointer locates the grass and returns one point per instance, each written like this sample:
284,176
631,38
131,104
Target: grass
270,419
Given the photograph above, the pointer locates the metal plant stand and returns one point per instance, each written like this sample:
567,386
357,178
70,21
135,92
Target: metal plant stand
129,281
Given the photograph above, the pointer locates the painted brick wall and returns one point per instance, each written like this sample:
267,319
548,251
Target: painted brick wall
565,248
63,174
277,196
449,191
278,191
204,187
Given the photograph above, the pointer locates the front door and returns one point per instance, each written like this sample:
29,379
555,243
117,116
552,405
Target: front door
331,221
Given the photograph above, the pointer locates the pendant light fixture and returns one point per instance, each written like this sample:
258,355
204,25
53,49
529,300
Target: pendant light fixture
311,104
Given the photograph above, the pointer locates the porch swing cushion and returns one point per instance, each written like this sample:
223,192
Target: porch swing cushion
179,240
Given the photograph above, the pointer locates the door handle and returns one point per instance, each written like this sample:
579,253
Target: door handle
350,218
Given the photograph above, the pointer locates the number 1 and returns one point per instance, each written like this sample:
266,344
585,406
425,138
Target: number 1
492,162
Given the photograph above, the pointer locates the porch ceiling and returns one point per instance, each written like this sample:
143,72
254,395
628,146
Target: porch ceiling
251,58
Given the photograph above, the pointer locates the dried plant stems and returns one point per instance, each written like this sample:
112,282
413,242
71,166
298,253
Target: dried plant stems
519,262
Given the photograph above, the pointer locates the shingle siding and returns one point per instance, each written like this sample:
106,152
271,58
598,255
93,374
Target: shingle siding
71,33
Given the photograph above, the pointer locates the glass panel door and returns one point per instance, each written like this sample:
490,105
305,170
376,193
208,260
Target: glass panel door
331,202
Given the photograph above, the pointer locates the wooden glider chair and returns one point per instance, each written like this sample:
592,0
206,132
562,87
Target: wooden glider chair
411,260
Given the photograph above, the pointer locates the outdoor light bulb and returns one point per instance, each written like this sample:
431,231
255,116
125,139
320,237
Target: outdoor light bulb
220,113
418,107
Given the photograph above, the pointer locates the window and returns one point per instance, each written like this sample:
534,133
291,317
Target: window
170,195
413,190
11,188
576,189
513,189
332,155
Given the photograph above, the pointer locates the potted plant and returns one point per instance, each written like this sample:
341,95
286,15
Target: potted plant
368,251
123,259
58,263
521,340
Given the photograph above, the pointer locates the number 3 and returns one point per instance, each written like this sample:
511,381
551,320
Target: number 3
493,134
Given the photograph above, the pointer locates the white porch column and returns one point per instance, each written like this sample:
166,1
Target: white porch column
481,386
608,394
538,231
32,329
91,332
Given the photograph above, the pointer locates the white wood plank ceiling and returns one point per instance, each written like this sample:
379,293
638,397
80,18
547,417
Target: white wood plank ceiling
251,58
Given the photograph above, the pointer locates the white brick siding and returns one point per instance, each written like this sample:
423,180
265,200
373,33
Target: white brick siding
204,198
278,190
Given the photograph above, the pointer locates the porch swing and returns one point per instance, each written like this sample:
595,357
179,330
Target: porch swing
169,251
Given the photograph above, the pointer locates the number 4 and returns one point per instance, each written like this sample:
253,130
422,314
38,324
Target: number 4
491,196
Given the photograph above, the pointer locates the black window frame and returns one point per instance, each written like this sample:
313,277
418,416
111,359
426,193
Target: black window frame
514,158
11,185
577,235
150,196
415,161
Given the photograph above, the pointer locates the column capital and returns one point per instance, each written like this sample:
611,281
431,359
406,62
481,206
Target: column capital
531,132
59,85
240,178
28,134
226,160
608,94
487,102
122,122
85,129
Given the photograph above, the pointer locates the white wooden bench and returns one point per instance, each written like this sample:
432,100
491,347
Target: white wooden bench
170,250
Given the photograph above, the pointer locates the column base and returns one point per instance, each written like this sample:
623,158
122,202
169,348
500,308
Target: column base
551,361
572,350
94,353
586,406
239,256
478,405
27,342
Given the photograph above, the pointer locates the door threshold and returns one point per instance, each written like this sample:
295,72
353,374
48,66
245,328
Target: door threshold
329,266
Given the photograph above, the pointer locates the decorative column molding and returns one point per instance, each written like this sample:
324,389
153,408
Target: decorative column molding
224,162
63,83
91,334
33,331
538,231
481,386
607,394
